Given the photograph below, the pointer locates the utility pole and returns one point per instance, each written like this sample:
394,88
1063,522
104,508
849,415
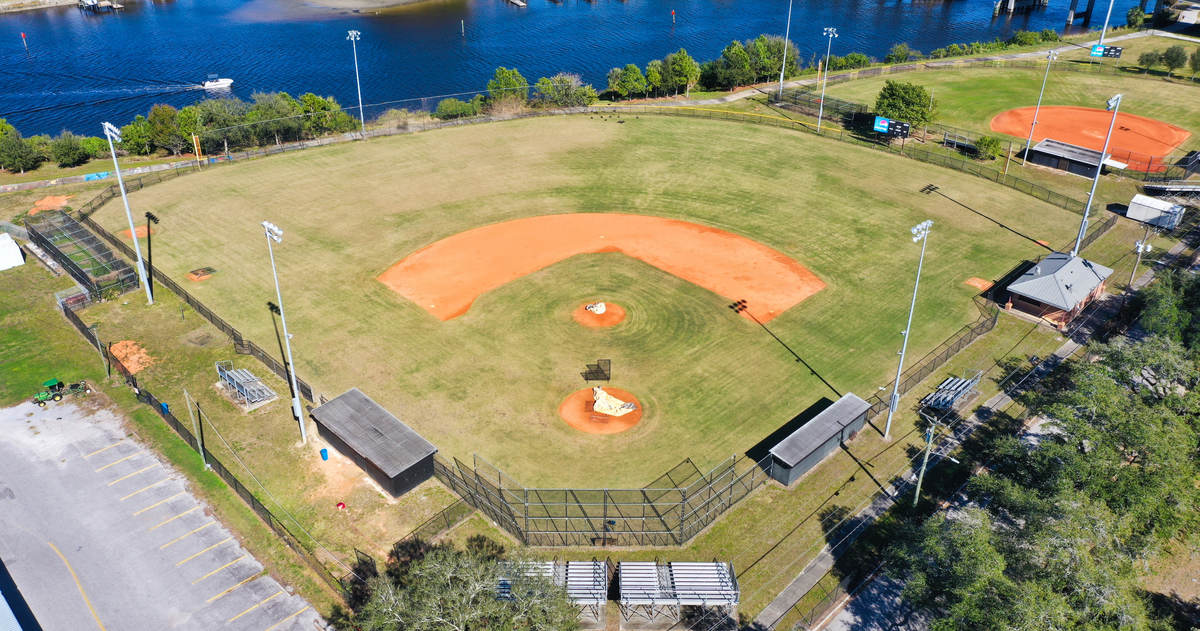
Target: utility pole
920,233
1142,247
195,427
925,462
150,218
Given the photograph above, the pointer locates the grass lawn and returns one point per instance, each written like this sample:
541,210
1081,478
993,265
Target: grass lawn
50,171
969,98
15,205
37,343
489,382
1132,48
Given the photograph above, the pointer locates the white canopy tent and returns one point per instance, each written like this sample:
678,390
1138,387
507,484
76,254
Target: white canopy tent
10,252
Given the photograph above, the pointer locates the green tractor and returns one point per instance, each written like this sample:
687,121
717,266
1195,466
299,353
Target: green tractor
56,390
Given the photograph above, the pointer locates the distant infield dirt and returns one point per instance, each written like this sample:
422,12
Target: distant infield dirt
1087,127
446,277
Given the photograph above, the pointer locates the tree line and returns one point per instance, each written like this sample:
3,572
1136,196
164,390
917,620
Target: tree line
1056,533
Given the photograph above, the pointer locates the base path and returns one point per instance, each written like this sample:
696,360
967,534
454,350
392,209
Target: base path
446,277
1086,127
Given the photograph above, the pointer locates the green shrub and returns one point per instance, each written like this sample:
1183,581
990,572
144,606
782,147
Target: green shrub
454,108
1025,38
987,148
68,151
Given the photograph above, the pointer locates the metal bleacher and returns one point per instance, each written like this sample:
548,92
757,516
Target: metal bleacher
1185,191
245,385
950,391
651,590
586,581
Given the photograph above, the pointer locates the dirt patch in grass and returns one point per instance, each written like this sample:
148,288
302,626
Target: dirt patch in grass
135,358
50,203
979,283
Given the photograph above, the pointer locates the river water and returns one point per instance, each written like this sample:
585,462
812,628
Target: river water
82,68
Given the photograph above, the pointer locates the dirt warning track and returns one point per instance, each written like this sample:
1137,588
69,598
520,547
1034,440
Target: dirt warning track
446,277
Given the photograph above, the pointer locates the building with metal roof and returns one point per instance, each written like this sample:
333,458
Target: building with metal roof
394,455
1155,212
1056,289
1070,158
793,456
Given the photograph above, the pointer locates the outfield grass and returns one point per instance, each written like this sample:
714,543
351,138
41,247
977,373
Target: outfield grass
969,98
489,382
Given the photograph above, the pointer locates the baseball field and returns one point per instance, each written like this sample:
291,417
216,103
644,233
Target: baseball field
489,379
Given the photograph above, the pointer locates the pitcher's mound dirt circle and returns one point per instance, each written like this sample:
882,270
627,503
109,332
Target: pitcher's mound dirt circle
576,410
613,315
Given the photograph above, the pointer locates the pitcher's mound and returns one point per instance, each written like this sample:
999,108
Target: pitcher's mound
576,410
613,315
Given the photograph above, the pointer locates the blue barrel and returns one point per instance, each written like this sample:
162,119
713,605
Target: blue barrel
165,409
324,454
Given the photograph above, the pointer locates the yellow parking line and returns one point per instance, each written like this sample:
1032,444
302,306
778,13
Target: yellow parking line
219,569
187,535
201,552
134,473
176,517
119,461
276,625
233,588
254,607
143,489
108,447
162,502
79,585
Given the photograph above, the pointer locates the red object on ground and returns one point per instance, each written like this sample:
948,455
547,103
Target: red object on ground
1136,140
141,232
577,411
613,314
447,276
341,506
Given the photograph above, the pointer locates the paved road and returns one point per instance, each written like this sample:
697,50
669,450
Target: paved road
100,534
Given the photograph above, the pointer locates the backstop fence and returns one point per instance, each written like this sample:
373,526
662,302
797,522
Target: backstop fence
668,512
86,258
307,552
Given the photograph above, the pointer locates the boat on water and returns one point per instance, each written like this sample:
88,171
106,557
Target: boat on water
215,83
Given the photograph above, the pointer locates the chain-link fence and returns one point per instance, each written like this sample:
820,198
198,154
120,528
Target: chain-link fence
144,396
668,512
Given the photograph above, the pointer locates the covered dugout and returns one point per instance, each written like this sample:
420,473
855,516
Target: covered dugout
389,451
818,438
1070,158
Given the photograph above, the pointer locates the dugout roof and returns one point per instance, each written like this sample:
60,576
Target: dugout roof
373,432
1060,280
813,434
1075,153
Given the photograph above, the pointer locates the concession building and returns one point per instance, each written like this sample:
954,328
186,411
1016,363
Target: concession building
1057,289
389,451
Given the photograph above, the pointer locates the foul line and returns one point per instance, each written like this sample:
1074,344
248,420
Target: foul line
254,607
201,552
232,588
119,461
104,448
134,473
79,585
143,489
276,625
187,535
162,502
176,517
219,569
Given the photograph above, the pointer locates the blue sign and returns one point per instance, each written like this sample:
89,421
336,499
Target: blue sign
881,124
1098,50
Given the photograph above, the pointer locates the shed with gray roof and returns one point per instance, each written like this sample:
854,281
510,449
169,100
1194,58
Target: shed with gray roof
1071,158
1058,288
389,451
818,438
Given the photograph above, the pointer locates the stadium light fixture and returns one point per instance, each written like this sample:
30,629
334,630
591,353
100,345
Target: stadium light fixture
920,232
831,33
1114,105
353,37
111,132
787,33
1050,57
275,233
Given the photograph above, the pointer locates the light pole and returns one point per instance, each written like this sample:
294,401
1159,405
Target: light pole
353,37
275,233
150,218
1114,104
1049,60
787,33
919,232
110,132
831,33
1105,29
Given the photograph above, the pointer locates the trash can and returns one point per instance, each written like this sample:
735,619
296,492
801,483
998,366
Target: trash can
324,454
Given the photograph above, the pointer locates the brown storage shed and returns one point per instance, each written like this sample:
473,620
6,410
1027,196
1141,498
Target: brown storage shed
389,451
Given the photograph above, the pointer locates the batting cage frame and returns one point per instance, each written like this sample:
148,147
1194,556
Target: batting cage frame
85,257
667,512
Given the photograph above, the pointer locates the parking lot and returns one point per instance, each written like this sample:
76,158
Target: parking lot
98,533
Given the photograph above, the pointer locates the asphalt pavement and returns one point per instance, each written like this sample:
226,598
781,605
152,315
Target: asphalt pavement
98,533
